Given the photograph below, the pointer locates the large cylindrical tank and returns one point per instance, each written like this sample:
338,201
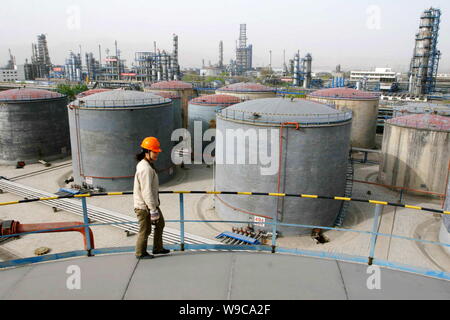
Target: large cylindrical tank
364,106
106,131
416,152
33,126
421,108
177,107
314,160
183,89
204,109
248,91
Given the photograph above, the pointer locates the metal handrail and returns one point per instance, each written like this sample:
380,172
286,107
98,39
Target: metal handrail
370,259
33,98
301,118
420,124
114,103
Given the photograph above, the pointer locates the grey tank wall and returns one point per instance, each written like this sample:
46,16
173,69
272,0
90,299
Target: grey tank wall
315,162
105,143
444,235
177,114
203,114
414,158
32,131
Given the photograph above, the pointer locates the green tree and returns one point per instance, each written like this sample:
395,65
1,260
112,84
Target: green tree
71,91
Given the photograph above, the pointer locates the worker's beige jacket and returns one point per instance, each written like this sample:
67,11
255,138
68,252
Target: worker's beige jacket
146,187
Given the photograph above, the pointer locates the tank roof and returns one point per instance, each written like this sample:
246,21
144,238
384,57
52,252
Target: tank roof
216,100
279,110
247,87
344,94
91,92
167,94
26,94
422,121
432,108
120,99
176,85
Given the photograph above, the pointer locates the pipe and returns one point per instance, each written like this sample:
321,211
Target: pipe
15,227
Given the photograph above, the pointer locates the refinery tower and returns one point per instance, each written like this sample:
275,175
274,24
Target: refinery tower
425,60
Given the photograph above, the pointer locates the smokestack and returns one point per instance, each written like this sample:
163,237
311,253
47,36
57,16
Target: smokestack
221,54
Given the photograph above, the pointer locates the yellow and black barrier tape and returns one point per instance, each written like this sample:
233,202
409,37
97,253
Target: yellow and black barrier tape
305,196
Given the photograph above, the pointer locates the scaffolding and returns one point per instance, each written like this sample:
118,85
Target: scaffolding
158,65
244,53
425,62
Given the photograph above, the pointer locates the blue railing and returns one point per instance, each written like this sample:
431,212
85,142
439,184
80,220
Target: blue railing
273,248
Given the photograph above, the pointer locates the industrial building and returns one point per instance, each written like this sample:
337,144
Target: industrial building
416,152
244,53
10,75
380,79
425,61
74,68
41,64
183,89
33,126
248,91
314,157
302,70
158,65
105,131
364,106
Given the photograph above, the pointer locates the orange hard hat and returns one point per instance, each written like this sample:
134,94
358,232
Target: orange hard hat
151,144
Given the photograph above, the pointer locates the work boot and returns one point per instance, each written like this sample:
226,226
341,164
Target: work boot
163,251
146,256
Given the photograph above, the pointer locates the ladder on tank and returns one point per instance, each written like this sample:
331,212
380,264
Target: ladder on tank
348,194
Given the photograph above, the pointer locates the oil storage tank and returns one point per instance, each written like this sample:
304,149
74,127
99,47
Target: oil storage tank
444,235
177,107
183,89
416,152
203,109
364,106
33,126
311,159
106,130
248,91
421,108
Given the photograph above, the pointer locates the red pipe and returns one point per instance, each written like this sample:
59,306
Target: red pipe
15,227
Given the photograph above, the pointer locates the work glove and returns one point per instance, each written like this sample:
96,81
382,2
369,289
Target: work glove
155,216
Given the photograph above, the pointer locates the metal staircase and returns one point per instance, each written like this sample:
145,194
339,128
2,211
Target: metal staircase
348,194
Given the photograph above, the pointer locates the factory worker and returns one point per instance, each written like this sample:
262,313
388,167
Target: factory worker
146,200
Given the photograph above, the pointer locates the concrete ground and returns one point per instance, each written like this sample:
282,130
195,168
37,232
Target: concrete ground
399,221
213,276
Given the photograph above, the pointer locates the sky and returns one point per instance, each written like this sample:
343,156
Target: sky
358,34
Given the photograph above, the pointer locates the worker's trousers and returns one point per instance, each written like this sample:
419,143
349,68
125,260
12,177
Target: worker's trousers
145,230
